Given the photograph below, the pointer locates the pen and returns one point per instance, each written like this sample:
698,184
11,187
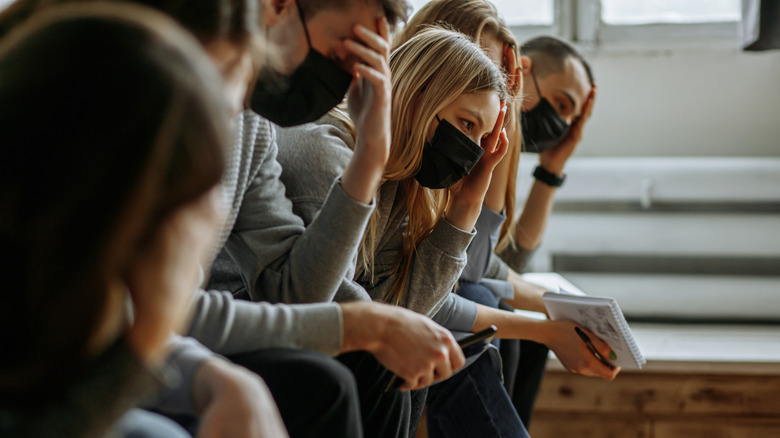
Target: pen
592,348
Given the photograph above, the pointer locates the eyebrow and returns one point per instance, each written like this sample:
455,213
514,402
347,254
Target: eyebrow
571,99
477,116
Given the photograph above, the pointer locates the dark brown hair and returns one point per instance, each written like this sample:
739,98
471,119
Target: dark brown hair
549,53
208,20
396,11
112,120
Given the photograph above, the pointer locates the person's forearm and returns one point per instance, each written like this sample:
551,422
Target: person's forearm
230,326
362,176
495,198
533,220
527,296
463,214
511,325
357,334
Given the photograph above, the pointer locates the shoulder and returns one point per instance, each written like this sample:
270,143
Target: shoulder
324,144
255,133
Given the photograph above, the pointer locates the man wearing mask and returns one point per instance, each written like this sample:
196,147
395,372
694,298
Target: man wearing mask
326,50
559,91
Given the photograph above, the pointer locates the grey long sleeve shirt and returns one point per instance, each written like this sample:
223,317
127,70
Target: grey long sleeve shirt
279,257
313,154
280,260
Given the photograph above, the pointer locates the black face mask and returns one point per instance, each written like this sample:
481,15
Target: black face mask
313,89
542,127
448,157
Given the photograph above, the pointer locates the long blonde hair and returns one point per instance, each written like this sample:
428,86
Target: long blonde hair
476,18
429,71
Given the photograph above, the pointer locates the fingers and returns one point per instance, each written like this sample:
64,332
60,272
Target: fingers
503,144
457,358
604,350
372,49
512,70
376,78
490,143
373,41
589,103
596,367
366,55
383,27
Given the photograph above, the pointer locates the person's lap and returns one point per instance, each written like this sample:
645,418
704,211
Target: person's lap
473,402
523,362
315,394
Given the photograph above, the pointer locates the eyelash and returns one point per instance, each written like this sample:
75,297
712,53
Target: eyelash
466,124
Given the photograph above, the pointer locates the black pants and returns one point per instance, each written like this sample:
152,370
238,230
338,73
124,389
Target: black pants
316,395
384,414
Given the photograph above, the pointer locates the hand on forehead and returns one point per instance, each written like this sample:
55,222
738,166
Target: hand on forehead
567,89
330,27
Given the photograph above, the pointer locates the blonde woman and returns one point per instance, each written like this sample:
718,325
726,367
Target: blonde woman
446,95
523,361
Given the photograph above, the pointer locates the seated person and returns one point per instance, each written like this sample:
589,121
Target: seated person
483,278
415,247
107,210
409,345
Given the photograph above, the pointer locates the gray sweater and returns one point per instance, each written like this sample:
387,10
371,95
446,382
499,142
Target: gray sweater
280,260
484,265
278,256
313,154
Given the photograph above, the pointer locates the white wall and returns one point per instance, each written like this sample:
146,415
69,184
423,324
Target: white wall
704,102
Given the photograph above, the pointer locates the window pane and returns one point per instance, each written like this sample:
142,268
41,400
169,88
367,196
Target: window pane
515,12
669,11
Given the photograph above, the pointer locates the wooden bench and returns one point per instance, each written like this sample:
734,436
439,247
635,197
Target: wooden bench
700,381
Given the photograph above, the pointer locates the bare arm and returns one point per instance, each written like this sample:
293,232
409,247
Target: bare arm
532,221
559,336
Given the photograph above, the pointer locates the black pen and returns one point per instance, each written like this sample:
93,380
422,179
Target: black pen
592,348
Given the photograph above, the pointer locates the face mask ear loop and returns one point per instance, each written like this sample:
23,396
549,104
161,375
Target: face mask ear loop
303,22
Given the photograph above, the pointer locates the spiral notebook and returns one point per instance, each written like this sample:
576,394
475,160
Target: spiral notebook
603,317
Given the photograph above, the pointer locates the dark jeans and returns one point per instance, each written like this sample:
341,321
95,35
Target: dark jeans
473,403
316,395
523,361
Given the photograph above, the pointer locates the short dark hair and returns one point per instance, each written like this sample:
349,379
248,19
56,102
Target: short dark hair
551,53
396,11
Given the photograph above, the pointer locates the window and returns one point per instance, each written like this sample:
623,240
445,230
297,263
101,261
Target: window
516,13
629,12
624,24
659,24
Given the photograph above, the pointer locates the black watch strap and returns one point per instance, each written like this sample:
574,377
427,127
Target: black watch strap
548,177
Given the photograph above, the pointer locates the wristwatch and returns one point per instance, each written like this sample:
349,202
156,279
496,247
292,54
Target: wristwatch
548,177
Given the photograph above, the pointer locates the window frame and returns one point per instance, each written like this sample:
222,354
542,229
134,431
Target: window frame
580,21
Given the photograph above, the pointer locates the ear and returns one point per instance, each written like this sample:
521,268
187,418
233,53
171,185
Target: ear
526,64
274,9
